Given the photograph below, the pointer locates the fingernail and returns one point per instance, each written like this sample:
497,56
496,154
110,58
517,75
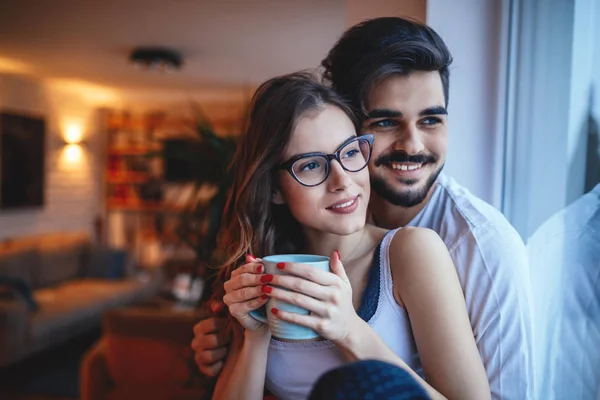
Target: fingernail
216,307
250,255
274,310
266,278
280,265
267,289
264,297
338,255
259,269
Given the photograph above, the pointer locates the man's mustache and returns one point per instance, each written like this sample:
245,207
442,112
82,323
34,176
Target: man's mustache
402,156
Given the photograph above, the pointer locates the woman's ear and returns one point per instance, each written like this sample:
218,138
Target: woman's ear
277,197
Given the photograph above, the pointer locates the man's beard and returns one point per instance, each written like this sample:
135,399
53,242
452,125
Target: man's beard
408,198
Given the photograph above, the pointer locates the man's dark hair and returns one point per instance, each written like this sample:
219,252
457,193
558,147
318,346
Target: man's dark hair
373,50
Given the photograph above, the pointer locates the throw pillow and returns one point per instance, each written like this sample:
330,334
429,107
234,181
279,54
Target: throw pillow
21,288
107,263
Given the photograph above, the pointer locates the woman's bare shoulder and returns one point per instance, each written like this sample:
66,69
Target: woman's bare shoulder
412,236
416,248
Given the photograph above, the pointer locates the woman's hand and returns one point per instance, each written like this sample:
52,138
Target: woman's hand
328,295
243,293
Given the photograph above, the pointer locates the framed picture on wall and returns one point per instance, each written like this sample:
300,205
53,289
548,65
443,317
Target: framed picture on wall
22,150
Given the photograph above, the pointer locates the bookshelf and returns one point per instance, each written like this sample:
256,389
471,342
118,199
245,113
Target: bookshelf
143,208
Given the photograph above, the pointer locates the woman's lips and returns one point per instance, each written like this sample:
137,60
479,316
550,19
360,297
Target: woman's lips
345,206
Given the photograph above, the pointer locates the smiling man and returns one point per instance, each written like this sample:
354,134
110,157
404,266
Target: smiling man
408,115
395,74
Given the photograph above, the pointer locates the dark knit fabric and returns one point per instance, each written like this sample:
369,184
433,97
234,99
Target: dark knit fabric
367,380
370,295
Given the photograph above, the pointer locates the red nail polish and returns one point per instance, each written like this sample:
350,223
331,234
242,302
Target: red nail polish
280,265
264,297
266,278
267,289
338,254
259,269
274,310
216,307
250,255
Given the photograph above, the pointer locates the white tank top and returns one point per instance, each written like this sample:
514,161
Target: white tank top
293,368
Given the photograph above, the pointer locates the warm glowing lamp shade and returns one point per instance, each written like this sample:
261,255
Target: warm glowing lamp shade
73,133
72,154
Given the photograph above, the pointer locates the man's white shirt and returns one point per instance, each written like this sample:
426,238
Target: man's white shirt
492,266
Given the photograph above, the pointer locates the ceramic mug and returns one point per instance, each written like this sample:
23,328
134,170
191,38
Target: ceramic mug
279,328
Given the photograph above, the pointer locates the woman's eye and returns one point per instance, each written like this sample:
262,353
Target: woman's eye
310,166
351,153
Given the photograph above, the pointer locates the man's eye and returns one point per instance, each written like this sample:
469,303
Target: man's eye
431,121
384,123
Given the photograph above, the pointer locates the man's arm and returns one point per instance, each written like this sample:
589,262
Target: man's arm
211,342
212,339
493,269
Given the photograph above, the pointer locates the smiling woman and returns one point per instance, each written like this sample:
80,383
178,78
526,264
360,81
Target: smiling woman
342,179
300,185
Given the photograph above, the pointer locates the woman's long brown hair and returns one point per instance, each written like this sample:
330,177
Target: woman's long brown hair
252,223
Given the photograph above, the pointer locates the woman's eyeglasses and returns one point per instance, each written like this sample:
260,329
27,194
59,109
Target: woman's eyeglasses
312,169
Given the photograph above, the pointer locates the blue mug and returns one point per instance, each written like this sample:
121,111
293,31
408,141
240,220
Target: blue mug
281,329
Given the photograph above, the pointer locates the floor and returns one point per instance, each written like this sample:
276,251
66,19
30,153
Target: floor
50,375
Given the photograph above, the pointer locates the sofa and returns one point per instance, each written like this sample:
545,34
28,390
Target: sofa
56,286
144,353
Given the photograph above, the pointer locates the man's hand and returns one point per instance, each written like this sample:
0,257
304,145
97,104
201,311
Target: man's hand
211,341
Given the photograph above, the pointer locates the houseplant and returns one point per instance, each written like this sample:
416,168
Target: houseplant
199,222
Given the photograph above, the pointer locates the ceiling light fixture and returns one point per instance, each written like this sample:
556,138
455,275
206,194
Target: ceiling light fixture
156,58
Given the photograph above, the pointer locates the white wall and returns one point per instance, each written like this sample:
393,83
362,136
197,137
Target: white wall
359,10
72,187
475,33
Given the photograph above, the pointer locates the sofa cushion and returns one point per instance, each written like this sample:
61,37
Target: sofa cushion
19,287
106,263
82,301
14,318
19,263
59,262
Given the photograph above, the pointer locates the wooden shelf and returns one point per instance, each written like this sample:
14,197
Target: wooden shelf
134,150
132,122
120,205
129,178
133,155
142,206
